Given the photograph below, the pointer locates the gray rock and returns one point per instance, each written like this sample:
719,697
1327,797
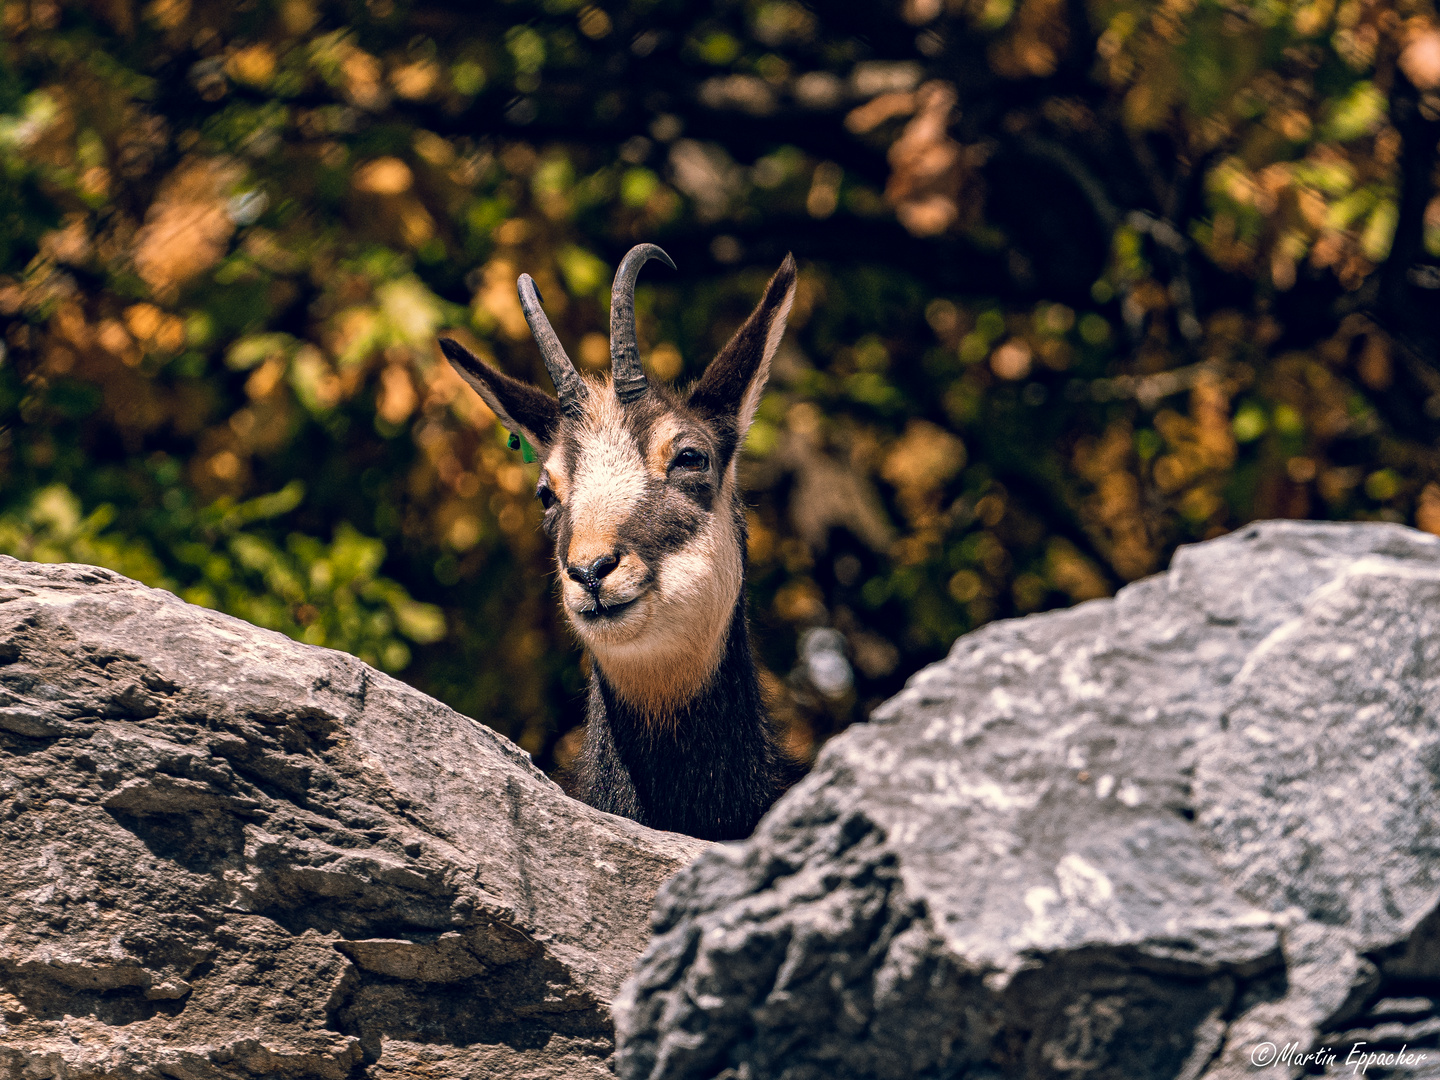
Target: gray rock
226,854
1140,838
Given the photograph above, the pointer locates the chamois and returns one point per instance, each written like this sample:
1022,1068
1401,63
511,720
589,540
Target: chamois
641,496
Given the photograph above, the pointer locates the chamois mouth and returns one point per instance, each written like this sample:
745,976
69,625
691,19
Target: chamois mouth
606,612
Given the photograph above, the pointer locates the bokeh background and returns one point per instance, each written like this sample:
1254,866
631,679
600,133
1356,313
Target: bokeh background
1080,282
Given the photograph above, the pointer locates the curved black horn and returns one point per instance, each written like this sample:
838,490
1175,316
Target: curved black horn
624,352
569,387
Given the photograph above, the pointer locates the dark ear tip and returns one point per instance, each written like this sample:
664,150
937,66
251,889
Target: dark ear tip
458,355
784,277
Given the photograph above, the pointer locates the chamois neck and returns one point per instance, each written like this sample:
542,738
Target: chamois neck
660,677
710,771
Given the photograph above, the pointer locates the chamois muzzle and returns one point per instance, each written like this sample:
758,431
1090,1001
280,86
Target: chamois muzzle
588,577
569,387
624,352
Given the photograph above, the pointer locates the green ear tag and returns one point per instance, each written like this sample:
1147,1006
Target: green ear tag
519,442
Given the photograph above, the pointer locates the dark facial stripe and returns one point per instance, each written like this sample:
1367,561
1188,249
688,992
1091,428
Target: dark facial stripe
562,534
675,507
642,416
714,438
665,521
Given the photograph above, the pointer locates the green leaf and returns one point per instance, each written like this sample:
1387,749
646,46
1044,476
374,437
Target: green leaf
1360,112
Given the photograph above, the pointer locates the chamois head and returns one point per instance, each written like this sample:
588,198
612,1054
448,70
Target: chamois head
639,485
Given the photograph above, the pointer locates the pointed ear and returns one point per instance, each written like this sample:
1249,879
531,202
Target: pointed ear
735,379
524,409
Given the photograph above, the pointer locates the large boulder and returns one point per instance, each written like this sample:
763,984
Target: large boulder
226,854
1167,835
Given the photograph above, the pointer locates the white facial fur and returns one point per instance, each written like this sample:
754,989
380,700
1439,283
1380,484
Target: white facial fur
608,481
661,650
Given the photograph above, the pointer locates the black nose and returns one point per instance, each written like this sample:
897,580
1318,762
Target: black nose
589,576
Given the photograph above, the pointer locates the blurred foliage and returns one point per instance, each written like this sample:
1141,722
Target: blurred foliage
323,594
1079,283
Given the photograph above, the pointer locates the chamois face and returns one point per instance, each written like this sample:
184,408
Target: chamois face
641,499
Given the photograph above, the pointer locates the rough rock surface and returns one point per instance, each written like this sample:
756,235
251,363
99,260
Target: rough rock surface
1142,838
226,854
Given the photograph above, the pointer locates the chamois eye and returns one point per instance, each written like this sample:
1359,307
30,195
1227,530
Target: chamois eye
545,495
692,460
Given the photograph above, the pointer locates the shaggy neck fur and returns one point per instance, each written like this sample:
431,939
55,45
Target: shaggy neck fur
711,771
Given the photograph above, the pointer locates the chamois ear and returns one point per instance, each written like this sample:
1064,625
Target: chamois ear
732,384
524,409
